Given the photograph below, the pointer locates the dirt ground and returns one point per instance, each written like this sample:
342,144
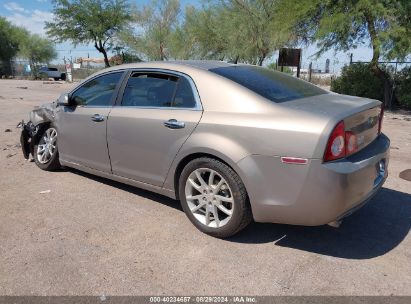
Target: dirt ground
92,236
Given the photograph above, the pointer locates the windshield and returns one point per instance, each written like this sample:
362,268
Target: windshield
273,85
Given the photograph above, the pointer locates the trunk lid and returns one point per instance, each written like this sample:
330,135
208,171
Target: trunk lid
360,115
364,125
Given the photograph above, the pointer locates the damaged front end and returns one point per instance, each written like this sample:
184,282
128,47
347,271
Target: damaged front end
39,120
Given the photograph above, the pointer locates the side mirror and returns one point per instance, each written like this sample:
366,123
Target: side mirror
65,100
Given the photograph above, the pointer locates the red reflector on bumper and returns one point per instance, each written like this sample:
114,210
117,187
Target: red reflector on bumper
294,160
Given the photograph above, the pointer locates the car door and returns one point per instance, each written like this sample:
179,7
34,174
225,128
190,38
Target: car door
83,126
156,114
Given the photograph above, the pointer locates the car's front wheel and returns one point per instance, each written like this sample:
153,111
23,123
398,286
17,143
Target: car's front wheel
214,198
46,155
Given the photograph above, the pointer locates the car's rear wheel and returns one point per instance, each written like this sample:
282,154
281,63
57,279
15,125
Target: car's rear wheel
214,198
46,155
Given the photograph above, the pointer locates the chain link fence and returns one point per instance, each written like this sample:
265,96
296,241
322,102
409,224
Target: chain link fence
21,69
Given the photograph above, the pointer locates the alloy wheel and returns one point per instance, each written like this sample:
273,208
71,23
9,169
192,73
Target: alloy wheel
209,197
47,146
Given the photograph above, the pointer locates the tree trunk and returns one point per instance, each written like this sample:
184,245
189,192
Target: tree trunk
106,62
262,57
162,53
386,83
382,75
99,47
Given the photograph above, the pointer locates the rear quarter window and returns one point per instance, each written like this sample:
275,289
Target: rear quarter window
275,86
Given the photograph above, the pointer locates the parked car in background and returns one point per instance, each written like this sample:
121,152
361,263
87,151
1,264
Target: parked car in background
52,73
233,143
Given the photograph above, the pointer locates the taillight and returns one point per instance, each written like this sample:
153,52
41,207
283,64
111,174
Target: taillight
341,143
336,143
380,118
351,142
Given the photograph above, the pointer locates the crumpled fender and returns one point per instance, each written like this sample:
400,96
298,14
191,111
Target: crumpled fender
44,113
31,131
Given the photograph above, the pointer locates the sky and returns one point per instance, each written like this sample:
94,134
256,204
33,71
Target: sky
32,14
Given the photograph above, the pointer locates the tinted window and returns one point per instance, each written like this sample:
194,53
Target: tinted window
98,91
158,90
53,69
184,97
273,85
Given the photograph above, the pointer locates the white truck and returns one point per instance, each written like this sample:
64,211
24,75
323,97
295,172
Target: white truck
52,73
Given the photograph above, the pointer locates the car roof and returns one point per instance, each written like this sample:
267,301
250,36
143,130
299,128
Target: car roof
177,65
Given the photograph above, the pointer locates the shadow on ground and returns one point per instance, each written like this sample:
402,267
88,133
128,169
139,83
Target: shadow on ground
374,230
137,191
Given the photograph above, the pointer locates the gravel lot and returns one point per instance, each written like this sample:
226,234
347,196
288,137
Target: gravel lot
92,236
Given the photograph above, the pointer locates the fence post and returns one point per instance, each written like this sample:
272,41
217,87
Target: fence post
310,71
393,86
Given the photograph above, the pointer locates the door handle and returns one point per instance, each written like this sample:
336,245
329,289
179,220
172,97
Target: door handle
97,117
174,124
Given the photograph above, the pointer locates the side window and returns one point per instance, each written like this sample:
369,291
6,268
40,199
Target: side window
97,92
149,90
184,97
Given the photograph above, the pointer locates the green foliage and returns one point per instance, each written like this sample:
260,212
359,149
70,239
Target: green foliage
403,88
384,25
10,43
10,37
156,24
19,42
233,30
85,21
358,80
37,49
202,34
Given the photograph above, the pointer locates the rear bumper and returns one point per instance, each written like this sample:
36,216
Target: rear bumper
316,193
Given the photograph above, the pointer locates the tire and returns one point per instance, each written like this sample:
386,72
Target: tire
214,197
56,79
52,162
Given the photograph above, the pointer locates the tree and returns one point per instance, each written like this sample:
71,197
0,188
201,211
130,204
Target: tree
156,24
10,37
37,50
255,30
384,25
89,21
202,35
234,30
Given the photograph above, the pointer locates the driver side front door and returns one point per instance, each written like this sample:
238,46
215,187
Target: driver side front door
83,127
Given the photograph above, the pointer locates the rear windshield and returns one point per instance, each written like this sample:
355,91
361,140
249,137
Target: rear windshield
273,85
